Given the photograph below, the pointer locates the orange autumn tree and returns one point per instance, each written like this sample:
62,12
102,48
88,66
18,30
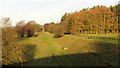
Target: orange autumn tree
96,20
100,19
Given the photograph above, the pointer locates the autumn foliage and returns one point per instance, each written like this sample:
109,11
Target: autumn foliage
12,51
30,29
96,20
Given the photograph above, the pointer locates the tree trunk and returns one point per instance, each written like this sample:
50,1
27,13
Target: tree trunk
95,31
101,31
85,31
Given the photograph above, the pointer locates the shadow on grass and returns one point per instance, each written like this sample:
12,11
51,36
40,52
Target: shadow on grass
29,51
108,51
102,38
104,56
23,38
58,36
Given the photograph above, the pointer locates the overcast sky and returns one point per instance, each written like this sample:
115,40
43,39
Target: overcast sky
45,11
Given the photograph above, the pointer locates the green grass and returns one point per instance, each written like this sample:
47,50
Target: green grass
45,50
115,35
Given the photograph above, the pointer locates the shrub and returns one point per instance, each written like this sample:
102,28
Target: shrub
32,28
20,28
58,30
51,28
46,26
11,51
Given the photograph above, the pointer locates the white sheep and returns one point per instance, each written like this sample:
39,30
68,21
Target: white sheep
64,48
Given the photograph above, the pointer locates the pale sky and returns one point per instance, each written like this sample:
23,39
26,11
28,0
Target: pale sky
45,11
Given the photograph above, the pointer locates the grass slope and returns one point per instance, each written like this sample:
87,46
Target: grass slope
45,50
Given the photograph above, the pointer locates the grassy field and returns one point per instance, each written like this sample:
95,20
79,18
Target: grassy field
45,50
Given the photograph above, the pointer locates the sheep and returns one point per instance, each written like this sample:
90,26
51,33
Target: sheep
64,48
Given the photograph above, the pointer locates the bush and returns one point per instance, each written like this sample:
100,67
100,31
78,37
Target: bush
11,51
58,30
20,28
46,26
31,28
51,28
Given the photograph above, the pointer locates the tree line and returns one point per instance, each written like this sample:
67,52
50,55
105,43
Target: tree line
96,20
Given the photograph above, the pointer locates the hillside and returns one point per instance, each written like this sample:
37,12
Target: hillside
83,38
45,50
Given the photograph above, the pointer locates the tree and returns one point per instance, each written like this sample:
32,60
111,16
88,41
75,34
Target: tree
111,8
70,25
52,23
63,17
118,14
93,7
32,28
51,28
20,28
46,26
29,30
97,20
59,31
11,50
5,22
91,20
86,22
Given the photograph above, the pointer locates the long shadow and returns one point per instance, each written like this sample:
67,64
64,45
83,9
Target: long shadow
104,56
103,38
108,52
87,59
29,53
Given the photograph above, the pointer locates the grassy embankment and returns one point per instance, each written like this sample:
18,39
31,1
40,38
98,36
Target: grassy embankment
45,50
